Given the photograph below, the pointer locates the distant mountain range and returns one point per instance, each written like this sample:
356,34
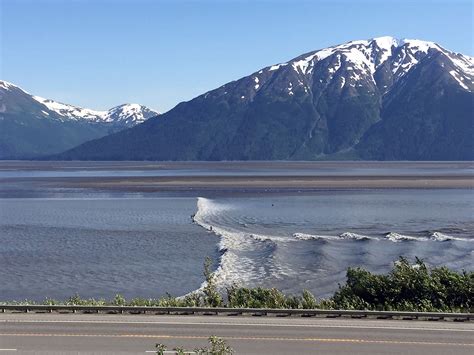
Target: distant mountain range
32,126
378,99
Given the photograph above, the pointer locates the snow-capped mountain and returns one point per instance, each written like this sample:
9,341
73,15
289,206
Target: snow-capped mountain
380,61
126,114
381,98
31,125
129,114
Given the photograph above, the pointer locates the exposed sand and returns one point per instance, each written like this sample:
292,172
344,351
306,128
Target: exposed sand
262,176
224,165
262,182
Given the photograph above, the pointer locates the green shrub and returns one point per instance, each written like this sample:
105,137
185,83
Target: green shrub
241,297
119,300
407,288
308,301
193,299
217,346
212,297
160,349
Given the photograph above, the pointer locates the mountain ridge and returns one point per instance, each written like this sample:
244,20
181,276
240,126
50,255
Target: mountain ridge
32,126
76,112
365,99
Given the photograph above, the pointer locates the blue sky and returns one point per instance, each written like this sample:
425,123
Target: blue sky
99,54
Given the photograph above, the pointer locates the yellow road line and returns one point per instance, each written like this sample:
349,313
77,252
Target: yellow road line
160,336
232,323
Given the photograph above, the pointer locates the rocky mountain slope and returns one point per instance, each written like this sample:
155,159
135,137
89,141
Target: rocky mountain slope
383,99
32,126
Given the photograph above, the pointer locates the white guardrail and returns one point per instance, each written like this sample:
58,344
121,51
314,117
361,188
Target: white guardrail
235,311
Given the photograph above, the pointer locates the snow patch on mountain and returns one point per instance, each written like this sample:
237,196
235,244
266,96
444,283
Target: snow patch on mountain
364,58
459,79
362,52
386,44
127,114
421,46
257,85
463,63
70,112
6,85
277,66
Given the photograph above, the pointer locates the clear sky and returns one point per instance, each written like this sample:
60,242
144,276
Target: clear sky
101,53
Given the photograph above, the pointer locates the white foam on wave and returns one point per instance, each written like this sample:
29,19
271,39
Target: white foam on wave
350,235
392,236
304,236
343,236
396,237
444,237
248,256
233,266
226,270
435,236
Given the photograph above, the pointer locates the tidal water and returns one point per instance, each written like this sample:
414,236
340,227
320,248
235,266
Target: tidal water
97,247
56,242
296,242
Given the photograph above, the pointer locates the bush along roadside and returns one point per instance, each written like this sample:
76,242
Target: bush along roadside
217,346
407,287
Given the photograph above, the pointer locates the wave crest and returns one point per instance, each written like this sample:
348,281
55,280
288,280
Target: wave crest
343,236
440,237
396,237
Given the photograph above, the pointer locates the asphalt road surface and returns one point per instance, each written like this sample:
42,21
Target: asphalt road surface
137,334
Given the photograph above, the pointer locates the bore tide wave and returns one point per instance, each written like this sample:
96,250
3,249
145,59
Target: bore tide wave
288,242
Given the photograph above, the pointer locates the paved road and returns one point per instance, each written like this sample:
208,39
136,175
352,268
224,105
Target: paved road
137,334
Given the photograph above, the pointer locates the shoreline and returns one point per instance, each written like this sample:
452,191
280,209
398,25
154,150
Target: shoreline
261,183
234,176
71,165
